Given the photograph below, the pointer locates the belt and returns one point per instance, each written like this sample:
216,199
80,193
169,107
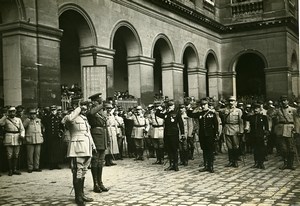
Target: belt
139,125
99,127
233,123
13,132
157,126
285,122
111,126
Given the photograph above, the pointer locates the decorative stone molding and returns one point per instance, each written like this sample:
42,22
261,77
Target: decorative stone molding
97,51
140,60
278,70
172,66
32,30
246,7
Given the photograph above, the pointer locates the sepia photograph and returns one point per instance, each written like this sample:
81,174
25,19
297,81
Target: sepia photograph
149,103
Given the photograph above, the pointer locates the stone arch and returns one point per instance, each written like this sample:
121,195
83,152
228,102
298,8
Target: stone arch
87,31
132,40
165,47
190,61
11,11
211,66
249,69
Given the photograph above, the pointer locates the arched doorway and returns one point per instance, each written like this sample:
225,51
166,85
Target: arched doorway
162,53
250,76
126,44
211,67
190,62
76,34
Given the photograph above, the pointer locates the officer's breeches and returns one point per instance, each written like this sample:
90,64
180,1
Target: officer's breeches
232,141
98,158
79,165
286,144
12,151
33,156
158,143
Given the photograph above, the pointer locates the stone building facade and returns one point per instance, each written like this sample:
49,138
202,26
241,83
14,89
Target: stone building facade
175,47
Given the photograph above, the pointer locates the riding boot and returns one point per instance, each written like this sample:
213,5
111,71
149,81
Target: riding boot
78,191
10,172
290,162
85,198
205,167
175,167
141,151
211,167
285,162
111,160
99,179
192,153
107,161
255,165
157,157
15,171
235,157
94,171
230,158
161,156
170,166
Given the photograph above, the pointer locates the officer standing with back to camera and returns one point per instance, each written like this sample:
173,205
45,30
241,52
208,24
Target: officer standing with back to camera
173,123
208,131
97,120
79,150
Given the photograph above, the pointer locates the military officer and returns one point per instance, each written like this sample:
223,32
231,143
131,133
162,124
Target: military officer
14,133
80,150
233,128
284,129
156,133
173,124
208,131
33,140
97,119
258,126
53,135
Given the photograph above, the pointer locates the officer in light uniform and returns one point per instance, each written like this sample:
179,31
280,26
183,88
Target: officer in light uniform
233,128
14,133
33,140
157,134
80,150
284,129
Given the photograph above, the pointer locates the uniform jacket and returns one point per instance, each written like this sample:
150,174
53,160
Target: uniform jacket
173,122
140,126
33,131
97,119
232,121
53,127
208,122
157,126
188,125
297,121
14,131
258,125
81,143
285,119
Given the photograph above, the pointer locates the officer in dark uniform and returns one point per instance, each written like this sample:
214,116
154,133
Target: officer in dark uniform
259,129
173,122
208,131
53,135
97,120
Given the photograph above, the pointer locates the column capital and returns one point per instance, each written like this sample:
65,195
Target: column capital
278,70
97,51
172,66
197,70
140,60
32,30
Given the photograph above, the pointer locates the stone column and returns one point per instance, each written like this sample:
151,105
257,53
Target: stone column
141,78
99,56
228,84
278,82
295,83
197,82
214,84
172,78
31,64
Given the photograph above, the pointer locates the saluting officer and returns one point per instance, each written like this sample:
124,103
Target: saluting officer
173,123
284,129
79,150
97,119
208,130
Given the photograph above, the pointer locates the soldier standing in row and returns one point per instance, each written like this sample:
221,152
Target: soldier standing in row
233,128
80,150
14,133
157,134
258,126
284,129
33,140
97,120
173,123
208,131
